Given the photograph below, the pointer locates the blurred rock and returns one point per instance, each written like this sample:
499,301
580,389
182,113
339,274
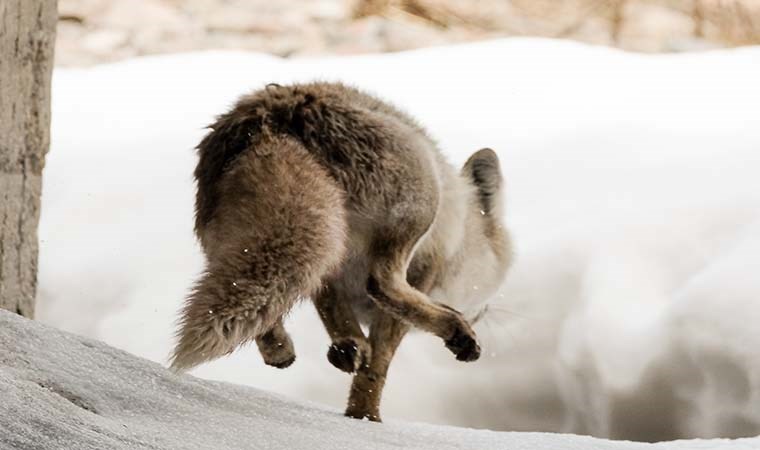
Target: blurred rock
326,10
653,28
243,22
93,31
103,42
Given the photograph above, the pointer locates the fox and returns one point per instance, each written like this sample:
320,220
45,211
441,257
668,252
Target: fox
323,191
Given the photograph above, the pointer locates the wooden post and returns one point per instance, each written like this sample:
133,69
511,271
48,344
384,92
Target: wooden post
27,38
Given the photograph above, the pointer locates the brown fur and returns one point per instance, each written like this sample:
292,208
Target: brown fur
261,259
276,347
321,190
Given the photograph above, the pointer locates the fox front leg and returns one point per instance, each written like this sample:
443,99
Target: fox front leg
386,333
349,349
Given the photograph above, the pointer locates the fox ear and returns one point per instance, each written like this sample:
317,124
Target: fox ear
484,171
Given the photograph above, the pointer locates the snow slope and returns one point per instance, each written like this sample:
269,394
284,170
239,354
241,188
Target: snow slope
633,197
61,391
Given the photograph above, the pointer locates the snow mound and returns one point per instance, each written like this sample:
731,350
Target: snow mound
632,193
62,391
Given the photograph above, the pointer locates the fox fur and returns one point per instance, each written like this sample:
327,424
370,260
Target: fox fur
320,190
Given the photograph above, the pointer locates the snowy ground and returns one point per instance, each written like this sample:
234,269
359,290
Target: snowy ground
633,197
61,391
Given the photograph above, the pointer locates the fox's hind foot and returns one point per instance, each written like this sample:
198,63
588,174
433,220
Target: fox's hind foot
349,354
276,347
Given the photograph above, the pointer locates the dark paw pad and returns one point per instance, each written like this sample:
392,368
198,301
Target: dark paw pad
283,363
345,355
463,345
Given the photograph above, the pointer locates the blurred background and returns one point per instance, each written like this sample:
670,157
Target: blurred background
632,193
95,31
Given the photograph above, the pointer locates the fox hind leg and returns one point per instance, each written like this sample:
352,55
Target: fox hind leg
276,347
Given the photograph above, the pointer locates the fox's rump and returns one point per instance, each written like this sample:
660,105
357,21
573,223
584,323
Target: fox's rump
353,136
277,229
277,177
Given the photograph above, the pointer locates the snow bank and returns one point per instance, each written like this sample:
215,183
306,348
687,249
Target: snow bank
633,195
61,391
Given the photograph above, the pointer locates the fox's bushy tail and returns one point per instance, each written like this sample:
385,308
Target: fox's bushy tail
277,229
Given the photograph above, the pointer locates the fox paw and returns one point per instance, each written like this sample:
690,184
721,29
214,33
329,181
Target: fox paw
279,354
355,413
462,342
463,345
348,354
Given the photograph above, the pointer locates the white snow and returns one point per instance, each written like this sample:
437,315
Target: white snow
65,392
633,195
